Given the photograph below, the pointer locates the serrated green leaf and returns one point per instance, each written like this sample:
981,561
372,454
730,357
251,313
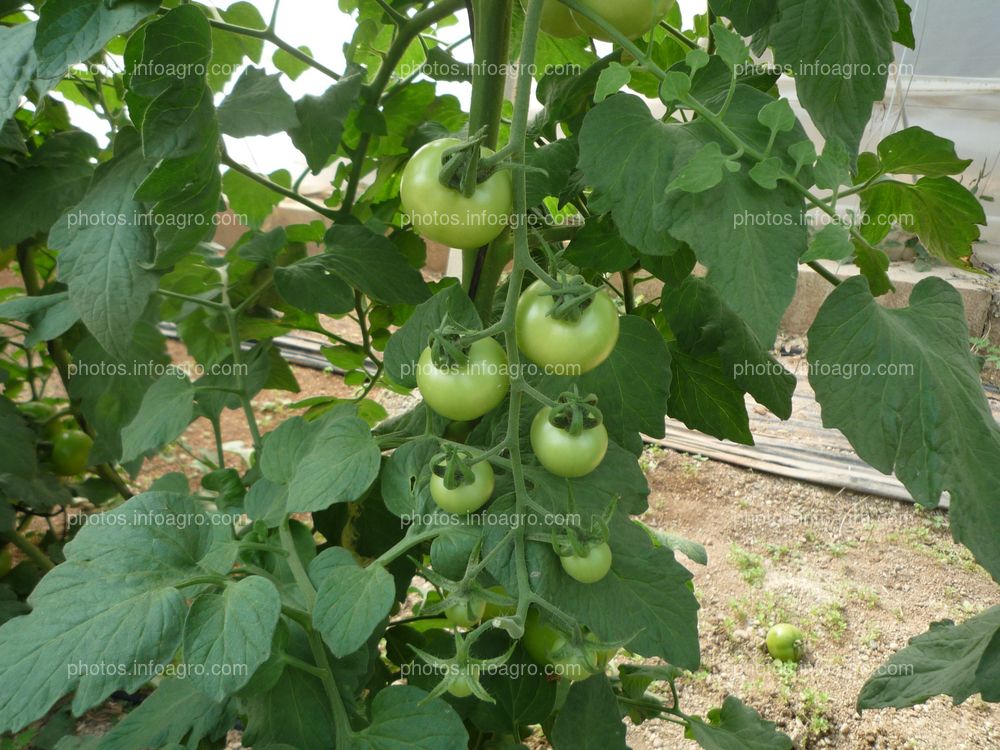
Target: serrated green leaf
748,16
597,245
729,45
257,105
404,479
589,719
371,263
166,411
290,65
173,711
178,122
839,54
341,464
612,79
109,610
350,600
918,151
228,49
832,242
251,200
777,115
175,52
321,120
702,171
17,65
104,249
70,31
909,371
766,173
737,727
308,285
943,661
403,716
227,636
284,446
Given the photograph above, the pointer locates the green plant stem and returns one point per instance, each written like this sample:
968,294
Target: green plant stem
522,260
268,35
405,544
59,355
212,304
217,435
241,378
679,35
304,666
491,34
405,35
628,290
279,189
30,550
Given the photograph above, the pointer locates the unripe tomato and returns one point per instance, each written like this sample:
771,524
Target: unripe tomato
498,610
631,17
785,642
547,645
567,347
557,19
465,614
467,498
462,686
71,452
590,568
563,453
443,214
37,411
465,392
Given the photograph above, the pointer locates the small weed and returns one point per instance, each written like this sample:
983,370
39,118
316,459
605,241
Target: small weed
691,465
749,565
830,617
815,713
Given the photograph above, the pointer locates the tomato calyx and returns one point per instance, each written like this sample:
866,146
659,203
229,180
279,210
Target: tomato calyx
571,295
454,466
462,671
575,413
463,166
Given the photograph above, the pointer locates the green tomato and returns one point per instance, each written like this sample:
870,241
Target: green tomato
565,347
465,614
468,391
784,642
467,498
590,568
548,646
565,454
631,17
498,610
71,452
557,19
458,432
444,215
462,686
37,411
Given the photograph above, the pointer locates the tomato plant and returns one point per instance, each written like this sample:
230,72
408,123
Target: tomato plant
570,325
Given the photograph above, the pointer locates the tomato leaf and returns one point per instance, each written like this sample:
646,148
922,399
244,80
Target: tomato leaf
943,661
371,263
832,242
840,55
308,285
112,605
918,151
402,716
350,600
70,31
17,65
227,636
166,410
737,726
169,714
868,364
257,105
321,120
589,719
105,252
748,16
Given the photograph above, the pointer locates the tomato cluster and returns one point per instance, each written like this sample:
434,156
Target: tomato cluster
70,447
549,646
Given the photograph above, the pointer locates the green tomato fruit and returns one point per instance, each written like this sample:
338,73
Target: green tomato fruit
467,498
71,452
565,454
444,215
565,347
465,392
785,642
498,610
548,646
590,568
465,614
557,19
631,17
462,686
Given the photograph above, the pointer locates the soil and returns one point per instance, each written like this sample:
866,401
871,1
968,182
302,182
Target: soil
860,575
